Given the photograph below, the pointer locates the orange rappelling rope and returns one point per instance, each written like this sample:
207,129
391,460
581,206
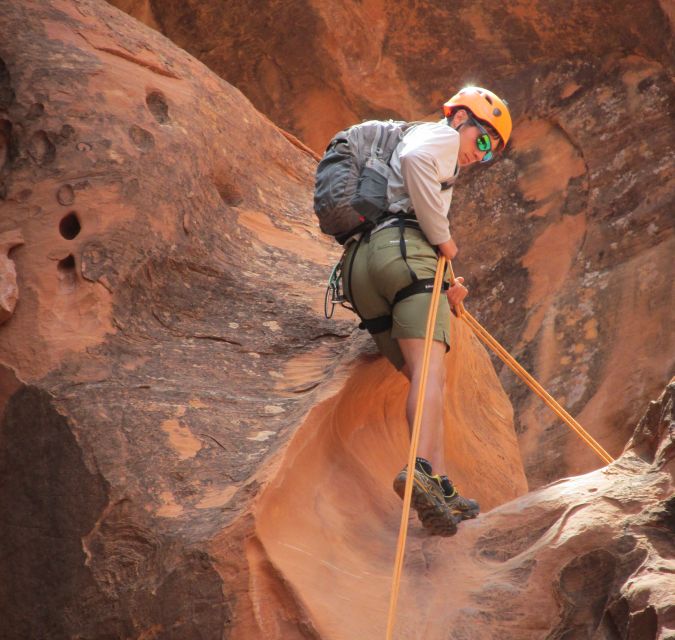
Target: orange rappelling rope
414,439
484,336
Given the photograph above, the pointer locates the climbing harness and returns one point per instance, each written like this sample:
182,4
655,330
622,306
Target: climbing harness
504,355
336,294
401,243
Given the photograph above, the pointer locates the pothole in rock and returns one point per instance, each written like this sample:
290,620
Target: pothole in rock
65,195
41,148
228,191
142,139
70,226
35,111
229,194
66,272
158,106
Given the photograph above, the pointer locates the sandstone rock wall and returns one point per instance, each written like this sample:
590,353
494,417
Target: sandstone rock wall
314,67
188,449
157,300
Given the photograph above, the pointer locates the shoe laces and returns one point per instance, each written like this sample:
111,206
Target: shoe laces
449,490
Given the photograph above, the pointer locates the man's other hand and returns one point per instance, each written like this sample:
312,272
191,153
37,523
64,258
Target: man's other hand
457,292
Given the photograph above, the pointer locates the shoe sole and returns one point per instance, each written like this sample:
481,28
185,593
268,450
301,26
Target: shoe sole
469,514
431,508
465,515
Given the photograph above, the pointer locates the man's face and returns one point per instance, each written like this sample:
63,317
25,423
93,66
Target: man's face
468,147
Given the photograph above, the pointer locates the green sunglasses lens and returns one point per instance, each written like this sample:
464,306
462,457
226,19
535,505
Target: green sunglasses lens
483,142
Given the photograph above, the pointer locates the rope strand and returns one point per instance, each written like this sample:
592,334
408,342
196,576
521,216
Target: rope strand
414,440
513,364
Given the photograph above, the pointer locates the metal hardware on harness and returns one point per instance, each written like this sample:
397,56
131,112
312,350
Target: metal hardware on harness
334,291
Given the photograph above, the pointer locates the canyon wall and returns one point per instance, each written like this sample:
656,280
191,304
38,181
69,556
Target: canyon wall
189,449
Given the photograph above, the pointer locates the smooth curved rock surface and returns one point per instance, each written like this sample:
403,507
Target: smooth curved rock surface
591,556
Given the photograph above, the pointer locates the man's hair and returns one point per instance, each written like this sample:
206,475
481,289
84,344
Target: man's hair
492,132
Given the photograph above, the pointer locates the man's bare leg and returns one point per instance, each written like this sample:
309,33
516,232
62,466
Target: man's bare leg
431,442
428,495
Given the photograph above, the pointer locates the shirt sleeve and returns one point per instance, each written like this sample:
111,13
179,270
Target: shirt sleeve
422,156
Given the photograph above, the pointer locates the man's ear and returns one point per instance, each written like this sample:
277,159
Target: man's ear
459,118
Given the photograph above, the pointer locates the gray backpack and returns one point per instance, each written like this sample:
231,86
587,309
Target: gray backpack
350,192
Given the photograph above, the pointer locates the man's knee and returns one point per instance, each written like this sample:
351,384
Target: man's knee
436,373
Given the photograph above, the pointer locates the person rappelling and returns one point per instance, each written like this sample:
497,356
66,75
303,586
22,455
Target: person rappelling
383,190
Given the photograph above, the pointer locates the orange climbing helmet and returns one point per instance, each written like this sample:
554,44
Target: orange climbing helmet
486,106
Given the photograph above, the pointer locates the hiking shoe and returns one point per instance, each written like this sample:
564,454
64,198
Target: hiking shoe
428,500
464,507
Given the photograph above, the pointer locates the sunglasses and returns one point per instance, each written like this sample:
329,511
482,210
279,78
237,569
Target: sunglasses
483,142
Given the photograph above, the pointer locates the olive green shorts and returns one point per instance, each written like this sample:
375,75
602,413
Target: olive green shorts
374,272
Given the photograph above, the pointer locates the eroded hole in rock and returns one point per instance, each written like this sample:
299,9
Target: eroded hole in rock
35,111
224,179
159,108
67,264
66,133
41,148
6,91
644,624
143,139
667,516
229,194
618,616
584,588
643,85
66,271
70,226
65,195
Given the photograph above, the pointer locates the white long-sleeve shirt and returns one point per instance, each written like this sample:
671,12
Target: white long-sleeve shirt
424,159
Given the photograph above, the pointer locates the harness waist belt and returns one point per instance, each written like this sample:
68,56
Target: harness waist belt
394,221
